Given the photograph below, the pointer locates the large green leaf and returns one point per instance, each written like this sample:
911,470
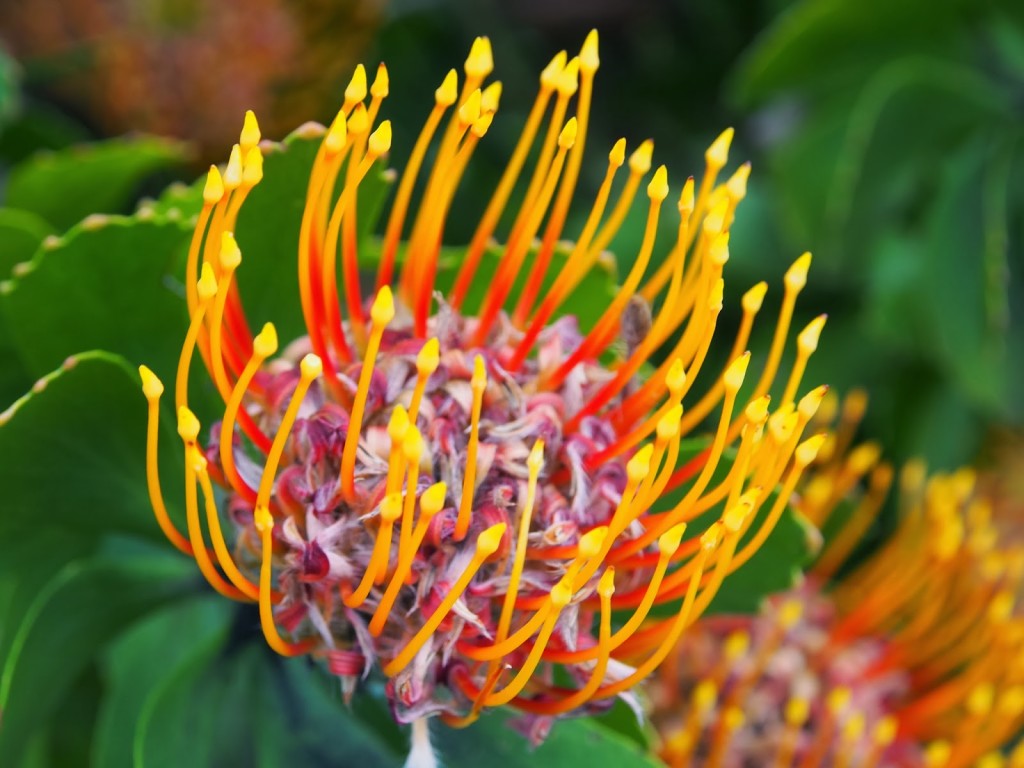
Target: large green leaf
66,185
83,606
21,232
74,452
104,285
579,742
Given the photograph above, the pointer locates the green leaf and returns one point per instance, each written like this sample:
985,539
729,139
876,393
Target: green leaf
252,709
580,742
146,658
83,606
10,86
21,233
66,185
104,285
75,450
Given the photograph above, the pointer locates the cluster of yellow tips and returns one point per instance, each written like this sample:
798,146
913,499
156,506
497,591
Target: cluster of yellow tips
433,526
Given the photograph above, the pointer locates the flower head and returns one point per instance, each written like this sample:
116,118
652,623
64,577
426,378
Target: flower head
911,658
462,493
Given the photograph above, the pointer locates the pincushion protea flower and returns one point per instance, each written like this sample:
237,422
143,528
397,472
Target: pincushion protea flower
914,658
465,498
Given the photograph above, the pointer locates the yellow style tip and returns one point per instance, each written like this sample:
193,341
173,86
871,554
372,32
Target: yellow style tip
359,120
250,135
754,298
337,135
591,542
757,410
487,543
807,451
448,91
213,190
479,380
432,500
686,198
657,190
398,424
640,160
980,699
714,222
262,519
937,754
480,62
717,155
569,78
429,357
491,97
252,168
796,275
380,139
383,310
561,594
705,694
885,731
265,342
230,254
797,711
207,285
736,372
718,252
790,613
606,586
535,460
188,424
737,514
311,366
568,135
152,387
736,645
381,82
482,124
736,186
675,380
391,507
808,338
549,75
717,296
355,91
670,540
668,425
809,403
413,445
617,156
640,464
470,109
711,537
233,170
589,59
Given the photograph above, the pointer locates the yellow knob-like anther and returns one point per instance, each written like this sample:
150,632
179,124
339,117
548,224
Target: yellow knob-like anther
480,62
735,373
549,75
383,310
233,170
265,343
569,78
250,135
337,135
675,379
207,285
188,425
380,139
668,425
230,254
796,275
807,451
640,464
717,155
356,89
797,710
669,541
152,387
448,91
470,109
589,60
252,167
640,160
381,82
213,190
808,338
657,189
754,297
568,135
711,537
617,155
491,97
